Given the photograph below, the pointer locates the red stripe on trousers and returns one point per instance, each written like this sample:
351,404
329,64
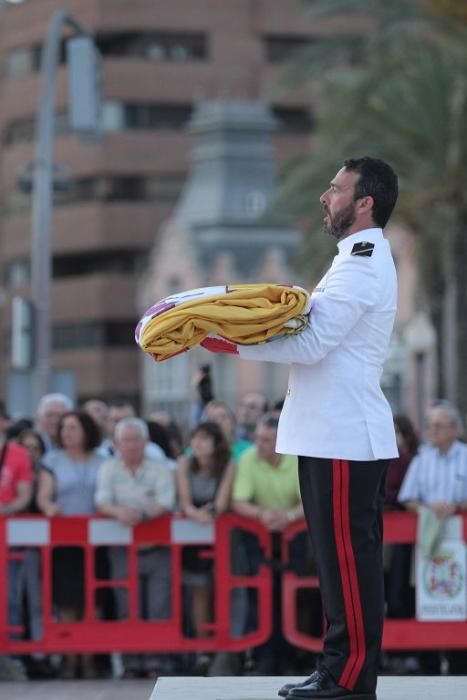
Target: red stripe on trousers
348,571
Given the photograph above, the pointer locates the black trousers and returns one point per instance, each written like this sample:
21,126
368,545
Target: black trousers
343,504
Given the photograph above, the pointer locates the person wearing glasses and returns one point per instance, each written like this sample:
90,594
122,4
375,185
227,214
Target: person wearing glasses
437,475
437,479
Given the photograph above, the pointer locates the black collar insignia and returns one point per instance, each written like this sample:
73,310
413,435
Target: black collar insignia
363,248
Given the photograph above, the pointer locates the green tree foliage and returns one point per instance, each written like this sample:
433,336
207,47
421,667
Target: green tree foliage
392,82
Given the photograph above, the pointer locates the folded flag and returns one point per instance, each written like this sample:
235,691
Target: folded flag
244,314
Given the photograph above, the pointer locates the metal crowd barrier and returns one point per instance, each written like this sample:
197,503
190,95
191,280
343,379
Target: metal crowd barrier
133,634
399,634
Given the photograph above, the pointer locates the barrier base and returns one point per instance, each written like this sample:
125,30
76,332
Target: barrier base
265,688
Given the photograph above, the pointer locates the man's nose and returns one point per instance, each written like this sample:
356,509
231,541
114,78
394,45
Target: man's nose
322,199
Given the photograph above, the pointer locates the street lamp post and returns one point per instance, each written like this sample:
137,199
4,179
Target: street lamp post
43,171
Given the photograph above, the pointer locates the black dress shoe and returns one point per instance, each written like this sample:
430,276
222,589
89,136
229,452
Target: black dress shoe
322,686
285,690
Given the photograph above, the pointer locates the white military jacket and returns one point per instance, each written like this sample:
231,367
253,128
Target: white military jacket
335,407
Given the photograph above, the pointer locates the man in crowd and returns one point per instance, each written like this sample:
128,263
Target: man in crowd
250,409
50,409
132,488
437,479
116,413
266,488
437,476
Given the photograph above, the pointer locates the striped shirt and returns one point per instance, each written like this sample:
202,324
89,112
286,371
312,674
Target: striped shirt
437,476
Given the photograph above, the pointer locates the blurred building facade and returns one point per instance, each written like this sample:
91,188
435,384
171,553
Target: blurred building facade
159,59
221,231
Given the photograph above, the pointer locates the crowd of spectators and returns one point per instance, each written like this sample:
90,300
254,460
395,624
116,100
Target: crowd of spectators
105,459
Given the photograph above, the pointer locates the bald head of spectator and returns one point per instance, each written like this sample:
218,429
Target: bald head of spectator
50,409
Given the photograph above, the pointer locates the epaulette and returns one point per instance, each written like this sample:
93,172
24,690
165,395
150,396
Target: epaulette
363,248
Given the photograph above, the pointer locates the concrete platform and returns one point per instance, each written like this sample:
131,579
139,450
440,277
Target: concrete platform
265,688
77,690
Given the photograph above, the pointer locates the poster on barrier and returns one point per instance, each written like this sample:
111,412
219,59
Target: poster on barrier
441,592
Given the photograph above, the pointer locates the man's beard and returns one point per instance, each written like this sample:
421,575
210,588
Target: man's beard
342,221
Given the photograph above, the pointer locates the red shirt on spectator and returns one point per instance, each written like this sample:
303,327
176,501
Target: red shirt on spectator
16,467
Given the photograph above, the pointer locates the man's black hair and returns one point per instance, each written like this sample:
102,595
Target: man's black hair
269,421
378,180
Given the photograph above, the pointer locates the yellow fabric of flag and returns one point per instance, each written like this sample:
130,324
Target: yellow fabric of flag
245,314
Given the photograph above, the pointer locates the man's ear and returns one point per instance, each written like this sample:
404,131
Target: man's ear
365,204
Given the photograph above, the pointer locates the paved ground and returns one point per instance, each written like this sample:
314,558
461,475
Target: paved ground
77,690
187,688
389,688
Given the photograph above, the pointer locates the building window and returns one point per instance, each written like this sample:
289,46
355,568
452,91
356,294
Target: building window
18,272
95,262
282,48
113,116
297,120
124,262
130,188
25,60
172,117
155,46
116,116
93,334
19,131
23,130
19,62
17,202
162,188
169,384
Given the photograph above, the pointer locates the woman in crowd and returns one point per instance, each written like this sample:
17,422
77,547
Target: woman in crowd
31,440
204,483
31,582
407,443
400,601
220,413
66,487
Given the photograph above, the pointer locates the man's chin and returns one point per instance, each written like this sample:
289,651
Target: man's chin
329,231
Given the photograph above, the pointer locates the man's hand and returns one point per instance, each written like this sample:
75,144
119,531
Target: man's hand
52,510
274,520
202,515
443,510
128,516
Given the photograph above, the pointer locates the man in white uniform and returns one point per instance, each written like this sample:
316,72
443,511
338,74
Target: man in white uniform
337,420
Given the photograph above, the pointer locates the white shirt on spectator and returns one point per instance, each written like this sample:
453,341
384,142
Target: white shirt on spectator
152,484
151,451
435,476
